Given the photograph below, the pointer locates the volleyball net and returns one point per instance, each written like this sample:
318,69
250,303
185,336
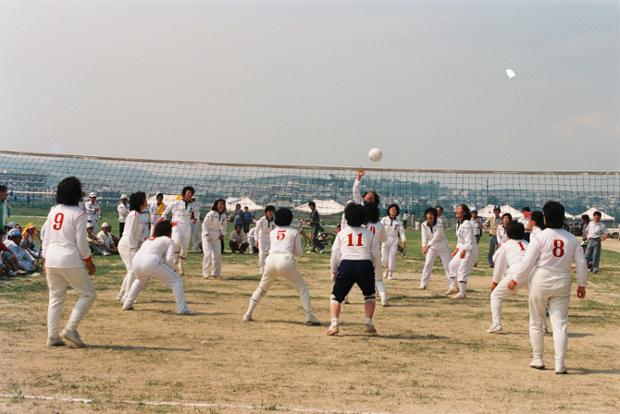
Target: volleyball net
31,179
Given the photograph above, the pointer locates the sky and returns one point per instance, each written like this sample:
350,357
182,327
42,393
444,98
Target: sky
316,82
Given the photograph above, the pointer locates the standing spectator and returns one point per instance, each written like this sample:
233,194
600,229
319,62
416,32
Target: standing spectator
315,226
238,240
475,220
92,209
106,238
597,232
157,209
405,220
247,219
238,216
4,206
525,220
585,221
123,212
490,226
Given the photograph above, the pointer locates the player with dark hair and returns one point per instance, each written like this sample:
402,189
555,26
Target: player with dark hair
131,239
502,236
548,260
184,214
213,232
395,233
285,247
371,213
465,254
156,259
264,226
434,243
68,262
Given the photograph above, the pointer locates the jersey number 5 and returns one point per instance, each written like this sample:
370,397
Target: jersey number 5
359,240
558,248
281,235
58,220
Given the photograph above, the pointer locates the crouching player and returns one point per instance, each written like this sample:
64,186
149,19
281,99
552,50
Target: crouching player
65,251
505,259
550,256
156,258
353,253
284,247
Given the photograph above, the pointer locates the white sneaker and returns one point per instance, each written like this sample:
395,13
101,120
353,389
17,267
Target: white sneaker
561,370
187,312
451,291
385,274
494,328
332,330
181,269
422,287
384,302
459,295
537,364
247,318
369,328
56,341
128,308
73,337
312,320
390,276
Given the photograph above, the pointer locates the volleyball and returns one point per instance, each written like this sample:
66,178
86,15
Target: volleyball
375,154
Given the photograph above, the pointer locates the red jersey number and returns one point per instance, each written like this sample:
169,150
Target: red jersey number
281,235
359,240
558,248
373,230
59,218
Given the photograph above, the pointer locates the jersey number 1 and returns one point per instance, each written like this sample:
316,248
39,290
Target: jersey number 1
359,240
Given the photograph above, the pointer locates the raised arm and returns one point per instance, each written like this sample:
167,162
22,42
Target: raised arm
357,187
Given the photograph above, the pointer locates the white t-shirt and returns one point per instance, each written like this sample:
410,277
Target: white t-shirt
65,245
354,243
433,236
182,213
506,257
105,239
394,229
285,240
465,239
132,235
596,230
554,249
214,225
161,247
123,211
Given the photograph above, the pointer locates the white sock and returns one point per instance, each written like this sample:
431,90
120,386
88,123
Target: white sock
334,322
368,321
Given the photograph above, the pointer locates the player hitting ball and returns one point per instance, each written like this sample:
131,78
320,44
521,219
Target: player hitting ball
156,259
550,255
285,247
353,253
68,262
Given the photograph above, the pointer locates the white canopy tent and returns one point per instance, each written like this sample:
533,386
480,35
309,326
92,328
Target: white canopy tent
324,207
487,211
231,202
604,216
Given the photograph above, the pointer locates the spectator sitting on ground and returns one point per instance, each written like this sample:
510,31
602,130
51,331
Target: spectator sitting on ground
238,240
25,261
106,238
30,237
8,259
95,245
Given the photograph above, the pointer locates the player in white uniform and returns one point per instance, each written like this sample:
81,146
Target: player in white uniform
395,233
156,210
130,240
252,240
358,197
550,256
353,253
195,238
371,211
502,235
285,247
464,256
264,226
93,210
183,215
434,243
213,232
145,218
505,259
66,253
156,258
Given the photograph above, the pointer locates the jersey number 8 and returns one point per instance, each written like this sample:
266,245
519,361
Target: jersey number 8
558,248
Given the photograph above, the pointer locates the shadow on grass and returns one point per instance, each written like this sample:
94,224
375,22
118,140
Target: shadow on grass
137,348
587,371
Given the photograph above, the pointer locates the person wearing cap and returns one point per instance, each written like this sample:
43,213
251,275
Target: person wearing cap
157,209
96,247
490,226
123,212
29,240
25,260
106,238
92,208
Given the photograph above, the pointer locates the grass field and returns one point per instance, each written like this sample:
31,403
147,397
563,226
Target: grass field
432,354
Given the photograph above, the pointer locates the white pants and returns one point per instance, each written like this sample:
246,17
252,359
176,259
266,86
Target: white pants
212,256
263,249
57,281
181,235
549,290
127,255
443,251
195,236
146,267
388,255
282,265
458,269
498,295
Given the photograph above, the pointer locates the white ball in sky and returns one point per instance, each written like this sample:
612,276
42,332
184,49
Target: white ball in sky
375,154
510,73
